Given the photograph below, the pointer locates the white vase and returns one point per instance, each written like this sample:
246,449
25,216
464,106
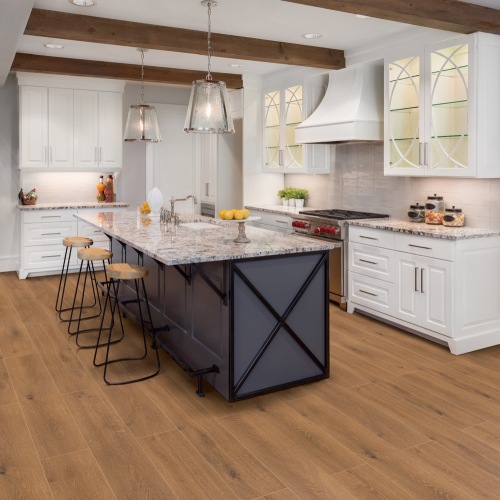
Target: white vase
291,202
285,202
155,200
299,203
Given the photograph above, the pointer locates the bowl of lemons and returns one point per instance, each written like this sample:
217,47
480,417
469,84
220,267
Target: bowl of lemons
239,215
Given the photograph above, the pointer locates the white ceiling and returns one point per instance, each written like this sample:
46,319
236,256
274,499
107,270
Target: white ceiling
267,19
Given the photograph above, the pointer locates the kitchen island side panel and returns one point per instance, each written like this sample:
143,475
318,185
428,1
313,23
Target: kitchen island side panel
280,323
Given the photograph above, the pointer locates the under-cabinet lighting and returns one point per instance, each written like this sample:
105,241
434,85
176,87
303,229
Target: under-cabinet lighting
83,3
311,36
53,46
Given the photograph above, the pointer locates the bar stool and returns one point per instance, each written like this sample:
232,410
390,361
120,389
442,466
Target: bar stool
117,273
69,242
88,255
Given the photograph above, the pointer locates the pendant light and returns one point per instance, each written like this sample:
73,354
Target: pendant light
142,124
209,111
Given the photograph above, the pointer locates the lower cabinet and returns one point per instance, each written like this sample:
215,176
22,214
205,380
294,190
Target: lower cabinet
42,233
444,290
272,221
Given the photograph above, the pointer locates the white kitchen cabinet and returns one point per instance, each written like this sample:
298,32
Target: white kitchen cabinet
71,125
208,167
285,107
98,130
281,223
445,290
46,121
441,105
42,233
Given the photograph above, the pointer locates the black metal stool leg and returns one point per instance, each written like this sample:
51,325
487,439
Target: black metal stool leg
64,273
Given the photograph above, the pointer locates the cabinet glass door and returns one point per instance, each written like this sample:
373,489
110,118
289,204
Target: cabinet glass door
272,129
293,117
449,116
404,113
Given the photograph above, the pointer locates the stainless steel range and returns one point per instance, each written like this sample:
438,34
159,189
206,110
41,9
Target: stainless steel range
331,224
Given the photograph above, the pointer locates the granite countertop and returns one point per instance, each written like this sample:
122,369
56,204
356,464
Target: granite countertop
62,205
187,246
279,209
422,229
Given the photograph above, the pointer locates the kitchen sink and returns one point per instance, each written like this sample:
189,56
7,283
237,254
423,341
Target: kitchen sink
199,225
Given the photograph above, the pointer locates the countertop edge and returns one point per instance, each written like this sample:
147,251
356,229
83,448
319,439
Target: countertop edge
72,205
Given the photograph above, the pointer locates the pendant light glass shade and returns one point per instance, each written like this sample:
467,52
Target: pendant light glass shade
142,123
209,111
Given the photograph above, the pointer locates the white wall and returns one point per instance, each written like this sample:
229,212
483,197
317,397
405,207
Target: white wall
9,174
357,182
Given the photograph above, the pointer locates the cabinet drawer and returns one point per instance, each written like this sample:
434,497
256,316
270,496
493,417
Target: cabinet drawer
370,292
88,231
48,257
271,219
371,261
49,216
369,236
50,233
430,247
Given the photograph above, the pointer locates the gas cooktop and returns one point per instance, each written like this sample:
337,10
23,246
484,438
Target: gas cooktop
338,214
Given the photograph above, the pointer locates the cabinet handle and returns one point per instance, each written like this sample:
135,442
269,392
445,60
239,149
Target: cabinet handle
420,146
206,188
50,154
100,154
49,256
51,216
95,154
426,153
368,262
418,246
416,277
281,158
46,154
369,293
367,237
50,234
422,280
281,221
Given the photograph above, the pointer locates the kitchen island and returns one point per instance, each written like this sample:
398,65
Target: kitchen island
248,317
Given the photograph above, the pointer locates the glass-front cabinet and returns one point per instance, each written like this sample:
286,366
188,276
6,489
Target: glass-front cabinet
442,109
427,111
283,112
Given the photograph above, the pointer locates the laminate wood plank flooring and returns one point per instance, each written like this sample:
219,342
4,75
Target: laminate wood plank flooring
399,418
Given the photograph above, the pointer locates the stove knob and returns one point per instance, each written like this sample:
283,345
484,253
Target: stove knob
317,230
295,223
336,230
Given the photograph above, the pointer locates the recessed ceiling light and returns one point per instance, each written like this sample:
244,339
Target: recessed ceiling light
311,35
235,65
361,16
53,46
82,3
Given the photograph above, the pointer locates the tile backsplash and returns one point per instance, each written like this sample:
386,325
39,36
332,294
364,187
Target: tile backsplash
357,182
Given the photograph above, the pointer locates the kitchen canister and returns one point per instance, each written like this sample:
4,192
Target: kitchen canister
434,209
416,213
453,217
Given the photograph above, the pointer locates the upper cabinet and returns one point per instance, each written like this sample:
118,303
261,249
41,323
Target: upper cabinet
441,106
70,124
285,108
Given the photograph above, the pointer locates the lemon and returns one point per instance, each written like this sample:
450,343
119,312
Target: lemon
222,214
246,213
238,214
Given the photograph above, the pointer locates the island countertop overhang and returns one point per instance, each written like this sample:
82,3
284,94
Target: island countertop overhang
190,246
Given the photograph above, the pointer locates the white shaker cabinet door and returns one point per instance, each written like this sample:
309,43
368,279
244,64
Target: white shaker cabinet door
86,128
60,151
407,296
110,131
34,136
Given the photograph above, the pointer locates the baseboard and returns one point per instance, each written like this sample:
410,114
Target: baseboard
8,263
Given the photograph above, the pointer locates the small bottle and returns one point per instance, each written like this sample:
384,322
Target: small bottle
100,189
109,189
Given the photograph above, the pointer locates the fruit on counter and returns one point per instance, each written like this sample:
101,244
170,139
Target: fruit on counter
145,208
235,213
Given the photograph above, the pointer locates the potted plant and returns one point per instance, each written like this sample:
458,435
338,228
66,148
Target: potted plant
299,195
283,194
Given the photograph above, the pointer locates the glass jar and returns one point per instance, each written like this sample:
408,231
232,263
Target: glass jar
454,217
416,213
434,210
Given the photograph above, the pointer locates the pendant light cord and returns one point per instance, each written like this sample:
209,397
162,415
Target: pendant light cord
142,76
209,39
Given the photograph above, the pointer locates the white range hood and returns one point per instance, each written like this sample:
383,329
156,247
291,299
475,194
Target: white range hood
352,109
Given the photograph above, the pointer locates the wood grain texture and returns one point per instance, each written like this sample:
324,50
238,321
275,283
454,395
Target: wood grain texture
449,15
399,418
76,476
67,26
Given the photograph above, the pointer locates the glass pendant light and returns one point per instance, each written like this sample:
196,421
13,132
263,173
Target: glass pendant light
142,124
209,111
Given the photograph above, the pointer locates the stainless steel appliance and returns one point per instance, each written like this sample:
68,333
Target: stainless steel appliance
331,224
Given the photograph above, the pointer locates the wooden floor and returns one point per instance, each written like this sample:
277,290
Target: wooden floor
400,417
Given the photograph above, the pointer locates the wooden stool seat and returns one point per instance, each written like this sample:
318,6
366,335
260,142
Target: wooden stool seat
125,271
77,241
94,254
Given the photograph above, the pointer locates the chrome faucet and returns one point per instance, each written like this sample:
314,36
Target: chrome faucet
173,199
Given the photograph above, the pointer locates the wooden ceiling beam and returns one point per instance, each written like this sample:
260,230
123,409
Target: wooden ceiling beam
54,24
449,15
78,67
